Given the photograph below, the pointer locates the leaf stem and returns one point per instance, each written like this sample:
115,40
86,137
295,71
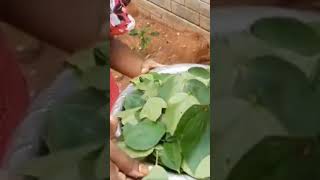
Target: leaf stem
157,156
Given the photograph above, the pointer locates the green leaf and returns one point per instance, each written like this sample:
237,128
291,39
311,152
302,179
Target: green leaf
279,158
284,90
199,72
134,153
155,33
171,87
177,105
134,100
170,155
202,171
144,135
96,77
271,81
199,90
194,134
157,173
237,123
82,60
71,125
62,164
162,77
288,33
153,108
147,84
129,116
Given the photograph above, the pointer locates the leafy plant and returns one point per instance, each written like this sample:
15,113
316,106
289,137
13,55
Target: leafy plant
77,127
144,35
169,121
270,85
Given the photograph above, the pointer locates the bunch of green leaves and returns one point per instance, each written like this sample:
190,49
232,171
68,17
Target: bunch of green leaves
74,141
166,120
145,36
271,87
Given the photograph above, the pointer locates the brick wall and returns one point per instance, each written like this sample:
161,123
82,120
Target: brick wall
191,15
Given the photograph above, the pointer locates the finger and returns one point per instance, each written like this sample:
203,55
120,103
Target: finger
113,171
126,164
154,64
122,176
113,127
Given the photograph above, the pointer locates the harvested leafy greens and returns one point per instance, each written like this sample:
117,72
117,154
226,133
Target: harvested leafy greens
76,128
166,121
266,103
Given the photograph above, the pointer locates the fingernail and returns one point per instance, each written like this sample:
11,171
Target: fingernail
144,70
143,169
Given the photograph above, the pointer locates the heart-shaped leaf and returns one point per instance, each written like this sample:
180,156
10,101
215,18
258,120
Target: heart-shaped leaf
194,134
170,155
144,135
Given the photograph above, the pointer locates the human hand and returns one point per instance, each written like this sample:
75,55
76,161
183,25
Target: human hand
149,64
122,167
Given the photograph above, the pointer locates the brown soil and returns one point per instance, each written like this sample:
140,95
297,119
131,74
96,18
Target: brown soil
169,47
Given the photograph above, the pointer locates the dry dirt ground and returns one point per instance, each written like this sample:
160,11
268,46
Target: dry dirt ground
169,47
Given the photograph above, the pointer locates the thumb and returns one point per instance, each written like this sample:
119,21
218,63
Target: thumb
113,126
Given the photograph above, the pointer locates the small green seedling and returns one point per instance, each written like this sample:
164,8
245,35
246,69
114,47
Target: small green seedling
144,36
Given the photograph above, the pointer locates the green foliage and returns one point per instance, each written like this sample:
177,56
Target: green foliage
174,122
144,35
266,102
76,127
